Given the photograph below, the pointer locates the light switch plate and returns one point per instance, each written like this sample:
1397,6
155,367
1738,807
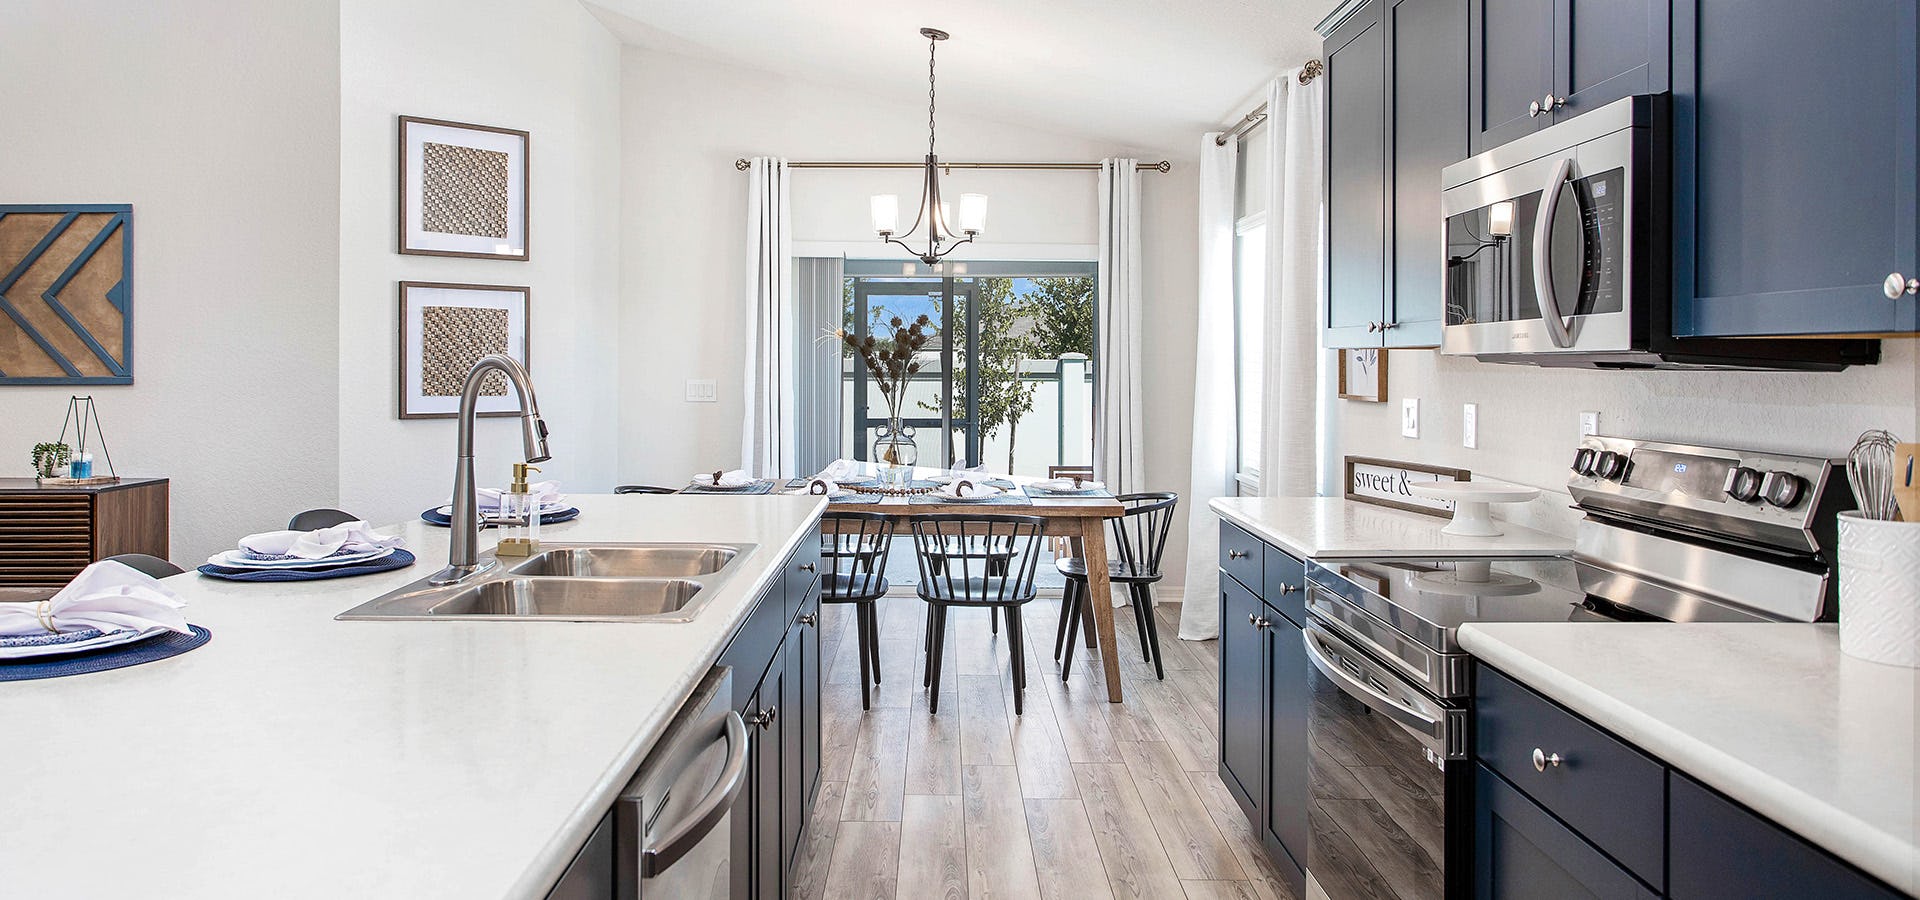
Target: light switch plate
702,391
1410,417
1470,426
1589,423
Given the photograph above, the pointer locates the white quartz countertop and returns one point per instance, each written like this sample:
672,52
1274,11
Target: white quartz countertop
1337,528
297,756
1773,716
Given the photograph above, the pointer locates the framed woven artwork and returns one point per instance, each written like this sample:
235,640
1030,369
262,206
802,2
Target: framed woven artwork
463,190
66,294
444,330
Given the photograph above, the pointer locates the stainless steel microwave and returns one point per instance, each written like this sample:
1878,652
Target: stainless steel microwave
1559,250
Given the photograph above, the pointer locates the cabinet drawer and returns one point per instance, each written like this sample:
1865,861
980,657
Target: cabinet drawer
1286,585
802,569
1240,556
1611,793
1720,850
1521,852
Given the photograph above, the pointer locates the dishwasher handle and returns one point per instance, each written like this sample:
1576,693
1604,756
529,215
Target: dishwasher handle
657,855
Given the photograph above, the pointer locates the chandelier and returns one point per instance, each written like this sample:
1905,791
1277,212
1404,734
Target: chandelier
934,212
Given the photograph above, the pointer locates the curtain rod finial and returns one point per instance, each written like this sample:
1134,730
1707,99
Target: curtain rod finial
741,164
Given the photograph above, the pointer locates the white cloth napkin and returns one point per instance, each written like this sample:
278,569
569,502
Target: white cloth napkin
733,479
968,488
547,492
842,470
107,595
353,537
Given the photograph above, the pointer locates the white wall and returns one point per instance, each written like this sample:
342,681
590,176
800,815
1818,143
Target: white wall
1529,418
685,120
217,120
544,66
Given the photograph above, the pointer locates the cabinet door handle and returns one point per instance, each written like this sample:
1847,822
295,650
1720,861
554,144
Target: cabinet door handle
810,619
1258,621
764,718
1534,110
1286,589
1236,554
809,567
1898,285
1543,759
1550,103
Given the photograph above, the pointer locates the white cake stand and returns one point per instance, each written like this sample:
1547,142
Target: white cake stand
1472,503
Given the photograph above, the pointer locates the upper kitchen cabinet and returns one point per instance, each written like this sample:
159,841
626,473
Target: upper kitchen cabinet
1396,115
1795,204
1355,54
1535,62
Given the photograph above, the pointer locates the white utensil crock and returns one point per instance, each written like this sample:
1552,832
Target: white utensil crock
1880,590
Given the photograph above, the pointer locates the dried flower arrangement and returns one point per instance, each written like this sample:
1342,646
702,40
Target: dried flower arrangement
892,362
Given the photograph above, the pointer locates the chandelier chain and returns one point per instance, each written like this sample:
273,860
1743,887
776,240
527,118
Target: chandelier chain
932,44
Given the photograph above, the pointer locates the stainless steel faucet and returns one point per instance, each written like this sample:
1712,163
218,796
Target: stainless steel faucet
462,559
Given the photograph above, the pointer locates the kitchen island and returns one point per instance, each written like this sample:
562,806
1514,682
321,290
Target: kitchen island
299,756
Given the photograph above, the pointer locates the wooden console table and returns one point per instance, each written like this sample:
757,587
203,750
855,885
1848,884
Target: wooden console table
49,533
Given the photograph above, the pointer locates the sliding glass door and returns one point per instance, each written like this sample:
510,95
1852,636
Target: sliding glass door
940,411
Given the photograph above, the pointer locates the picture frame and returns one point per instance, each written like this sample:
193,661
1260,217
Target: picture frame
1363,375
463,190
68,295
444,328
1383,482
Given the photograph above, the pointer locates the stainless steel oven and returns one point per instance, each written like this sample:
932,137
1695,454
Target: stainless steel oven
1558,253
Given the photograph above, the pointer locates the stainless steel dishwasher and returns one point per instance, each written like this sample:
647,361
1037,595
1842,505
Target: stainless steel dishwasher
672,822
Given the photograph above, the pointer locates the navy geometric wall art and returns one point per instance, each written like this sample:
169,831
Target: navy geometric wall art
66,293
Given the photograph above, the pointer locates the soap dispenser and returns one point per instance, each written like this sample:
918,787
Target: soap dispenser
519,516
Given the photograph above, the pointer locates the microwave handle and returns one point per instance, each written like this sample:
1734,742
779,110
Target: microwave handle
1558,330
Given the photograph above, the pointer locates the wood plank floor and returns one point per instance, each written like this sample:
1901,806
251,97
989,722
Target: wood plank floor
1074,798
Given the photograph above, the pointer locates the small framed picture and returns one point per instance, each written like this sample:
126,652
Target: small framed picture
1363,375
444,330
463,190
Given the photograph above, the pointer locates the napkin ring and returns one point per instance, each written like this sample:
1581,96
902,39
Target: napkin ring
43,610
817,488
962,487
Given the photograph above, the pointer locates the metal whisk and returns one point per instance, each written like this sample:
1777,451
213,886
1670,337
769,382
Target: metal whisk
1870,473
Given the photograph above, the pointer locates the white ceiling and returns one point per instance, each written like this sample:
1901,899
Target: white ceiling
1148,74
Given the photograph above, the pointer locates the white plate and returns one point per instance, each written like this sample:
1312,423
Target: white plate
945,497
235,559
1066,486
107,639
726,487
546,510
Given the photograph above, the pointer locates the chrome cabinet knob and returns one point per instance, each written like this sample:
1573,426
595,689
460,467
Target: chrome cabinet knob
1543,759
1236,554
1257,621
1898,285
1534,110
810,619
809,567
764,719
1550,103
1286,589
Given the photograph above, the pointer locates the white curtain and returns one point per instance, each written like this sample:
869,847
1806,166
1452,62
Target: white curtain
1291,421
1214,436
768,435
1118,454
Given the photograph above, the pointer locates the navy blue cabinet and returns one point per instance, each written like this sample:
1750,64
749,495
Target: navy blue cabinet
1536,62
1265,696
1720,851
1795,195
1396,116
1521,852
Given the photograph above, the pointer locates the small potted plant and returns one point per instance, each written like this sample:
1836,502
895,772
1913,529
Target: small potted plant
50,459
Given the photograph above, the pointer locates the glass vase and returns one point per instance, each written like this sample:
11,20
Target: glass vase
896,453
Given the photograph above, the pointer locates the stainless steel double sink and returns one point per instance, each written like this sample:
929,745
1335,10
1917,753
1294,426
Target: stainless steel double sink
611,582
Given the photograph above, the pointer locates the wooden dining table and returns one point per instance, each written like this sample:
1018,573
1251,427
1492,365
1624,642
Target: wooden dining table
1081,520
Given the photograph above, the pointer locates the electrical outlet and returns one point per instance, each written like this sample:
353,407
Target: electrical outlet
1470,426
1589,423
1410,417
702,392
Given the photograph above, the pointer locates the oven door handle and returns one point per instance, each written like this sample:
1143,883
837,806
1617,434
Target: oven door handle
1361,691
1558,329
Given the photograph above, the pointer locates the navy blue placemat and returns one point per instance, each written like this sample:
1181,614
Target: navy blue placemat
1012,499
433,517
1000,483
758,487
399,559
169,644
1041,493
857,497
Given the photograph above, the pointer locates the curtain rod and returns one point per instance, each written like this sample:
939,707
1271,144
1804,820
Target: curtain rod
1310,70
1162,166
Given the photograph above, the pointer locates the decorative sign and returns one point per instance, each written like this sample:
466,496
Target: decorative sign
1384,482
66,293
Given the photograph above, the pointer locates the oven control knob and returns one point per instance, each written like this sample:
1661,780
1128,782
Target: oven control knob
1743,484
1783,489
1583,461
1610,465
